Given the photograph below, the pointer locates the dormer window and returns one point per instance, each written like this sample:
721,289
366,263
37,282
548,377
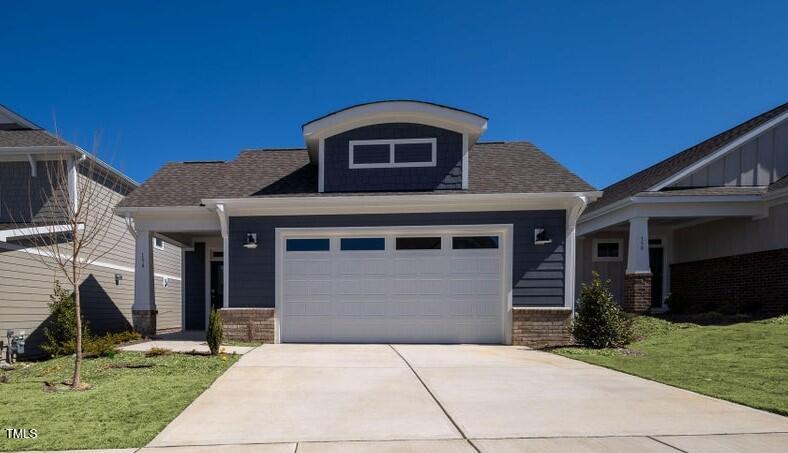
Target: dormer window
392,153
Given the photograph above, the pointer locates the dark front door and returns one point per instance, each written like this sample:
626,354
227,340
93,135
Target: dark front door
217,284
655,256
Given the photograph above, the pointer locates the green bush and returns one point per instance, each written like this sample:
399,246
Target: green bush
60,331
102,346
215,334
599,322
677,303
124,337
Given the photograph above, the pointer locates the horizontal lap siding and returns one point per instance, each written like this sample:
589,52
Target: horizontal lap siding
538,270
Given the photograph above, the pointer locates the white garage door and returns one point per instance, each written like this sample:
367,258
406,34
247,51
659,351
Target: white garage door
425,286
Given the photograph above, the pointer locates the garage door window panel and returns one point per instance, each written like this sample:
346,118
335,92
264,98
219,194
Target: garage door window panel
308,245
474,242
361,244
419,243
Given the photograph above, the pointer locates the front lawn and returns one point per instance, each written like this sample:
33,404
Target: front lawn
745,362
126,407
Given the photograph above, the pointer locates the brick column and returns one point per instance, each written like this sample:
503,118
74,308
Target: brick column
637,293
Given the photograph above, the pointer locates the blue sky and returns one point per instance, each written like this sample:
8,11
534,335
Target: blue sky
606,87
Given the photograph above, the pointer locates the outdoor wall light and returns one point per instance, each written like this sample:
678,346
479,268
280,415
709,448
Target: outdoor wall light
251,241
541,236
118,278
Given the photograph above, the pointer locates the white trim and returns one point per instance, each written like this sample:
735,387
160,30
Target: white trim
18,119
389,204
321,178
104,264
505,231
73,186
392,144
465,162
5,235
391,112
598,259
570,247
719,153
224,223
157,246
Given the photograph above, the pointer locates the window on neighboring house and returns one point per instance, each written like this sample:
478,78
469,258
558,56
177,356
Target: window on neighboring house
607,249
408,152
158,243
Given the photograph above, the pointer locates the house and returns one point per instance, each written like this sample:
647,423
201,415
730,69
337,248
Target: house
708,225
26,198
393,224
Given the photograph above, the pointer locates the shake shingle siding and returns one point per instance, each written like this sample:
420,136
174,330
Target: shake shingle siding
446,174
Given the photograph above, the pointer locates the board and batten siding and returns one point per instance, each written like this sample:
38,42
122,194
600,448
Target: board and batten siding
758,162
537,274
732,236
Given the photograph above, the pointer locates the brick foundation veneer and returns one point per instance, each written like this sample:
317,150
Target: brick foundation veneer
637,293
248,324
541,327
749,282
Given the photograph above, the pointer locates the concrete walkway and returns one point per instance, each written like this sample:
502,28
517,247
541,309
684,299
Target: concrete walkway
188,341
437,398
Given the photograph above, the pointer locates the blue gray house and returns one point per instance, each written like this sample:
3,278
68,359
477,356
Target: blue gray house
393,224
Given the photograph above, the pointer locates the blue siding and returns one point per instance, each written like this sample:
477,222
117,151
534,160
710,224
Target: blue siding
447,174
538,270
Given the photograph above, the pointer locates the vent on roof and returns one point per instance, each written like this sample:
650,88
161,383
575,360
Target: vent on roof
204,161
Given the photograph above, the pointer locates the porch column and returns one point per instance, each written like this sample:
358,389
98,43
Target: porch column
637,280
143,312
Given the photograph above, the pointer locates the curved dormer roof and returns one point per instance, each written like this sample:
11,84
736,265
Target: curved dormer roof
393,111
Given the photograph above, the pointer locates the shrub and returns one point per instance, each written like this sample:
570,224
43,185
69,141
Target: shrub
599,322
60,332
215,334
156,351
677,303
102,346
124,337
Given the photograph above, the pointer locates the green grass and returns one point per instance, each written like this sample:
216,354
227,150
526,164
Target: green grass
126,407
745,362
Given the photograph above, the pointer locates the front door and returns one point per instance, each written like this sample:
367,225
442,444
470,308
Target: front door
655,260
217,284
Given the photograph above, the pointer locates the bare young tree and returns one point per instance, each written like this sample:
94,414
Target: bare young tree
69,223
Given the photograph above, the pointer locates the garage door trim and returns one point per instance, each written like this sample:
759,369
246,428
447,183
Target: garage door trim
505,231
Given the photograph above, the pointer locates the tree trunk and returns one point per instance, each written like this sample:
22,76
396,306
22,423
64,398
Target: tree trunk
76,381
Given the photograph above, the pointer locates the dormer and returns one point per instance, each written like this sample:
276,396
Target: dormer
393,146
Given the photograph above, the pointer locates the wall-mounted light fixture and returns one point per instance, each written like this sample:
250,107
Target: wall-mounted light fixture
541,236
251,241
118,278
165,281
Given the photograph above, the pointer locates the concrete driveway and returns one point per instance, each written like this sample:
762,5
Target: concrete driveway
437,398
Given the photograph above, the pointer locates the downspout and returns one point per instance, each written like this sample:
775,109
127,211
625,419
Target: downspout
570,277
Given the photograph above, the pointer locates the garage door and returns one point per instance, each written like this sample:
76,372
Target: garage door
425,286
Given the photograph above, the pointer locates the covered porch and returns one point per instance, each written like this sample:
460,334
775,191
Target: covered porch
202,237
642,243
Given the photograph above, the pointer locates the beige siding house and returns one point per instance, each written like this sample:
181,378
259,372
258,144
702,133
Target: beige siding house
709,225
26,282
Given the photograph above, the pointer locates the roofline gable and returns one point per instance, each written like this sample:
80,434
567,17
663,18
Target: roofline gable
720,152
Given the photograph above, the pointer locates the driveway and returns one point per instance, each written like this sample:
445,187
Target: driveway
454,398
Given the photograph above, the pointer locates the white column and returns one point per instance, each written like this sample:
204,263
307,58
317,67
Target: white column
144,294
637,253
570,260
224,223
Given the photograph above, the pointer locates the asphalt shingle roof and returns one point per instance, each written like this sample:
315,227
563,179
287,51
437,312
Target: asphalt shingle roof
651,176
512,167
32,137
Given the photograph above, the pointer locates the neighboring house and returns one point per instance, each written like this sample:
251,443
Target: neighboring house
393,224
709,225
26,154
